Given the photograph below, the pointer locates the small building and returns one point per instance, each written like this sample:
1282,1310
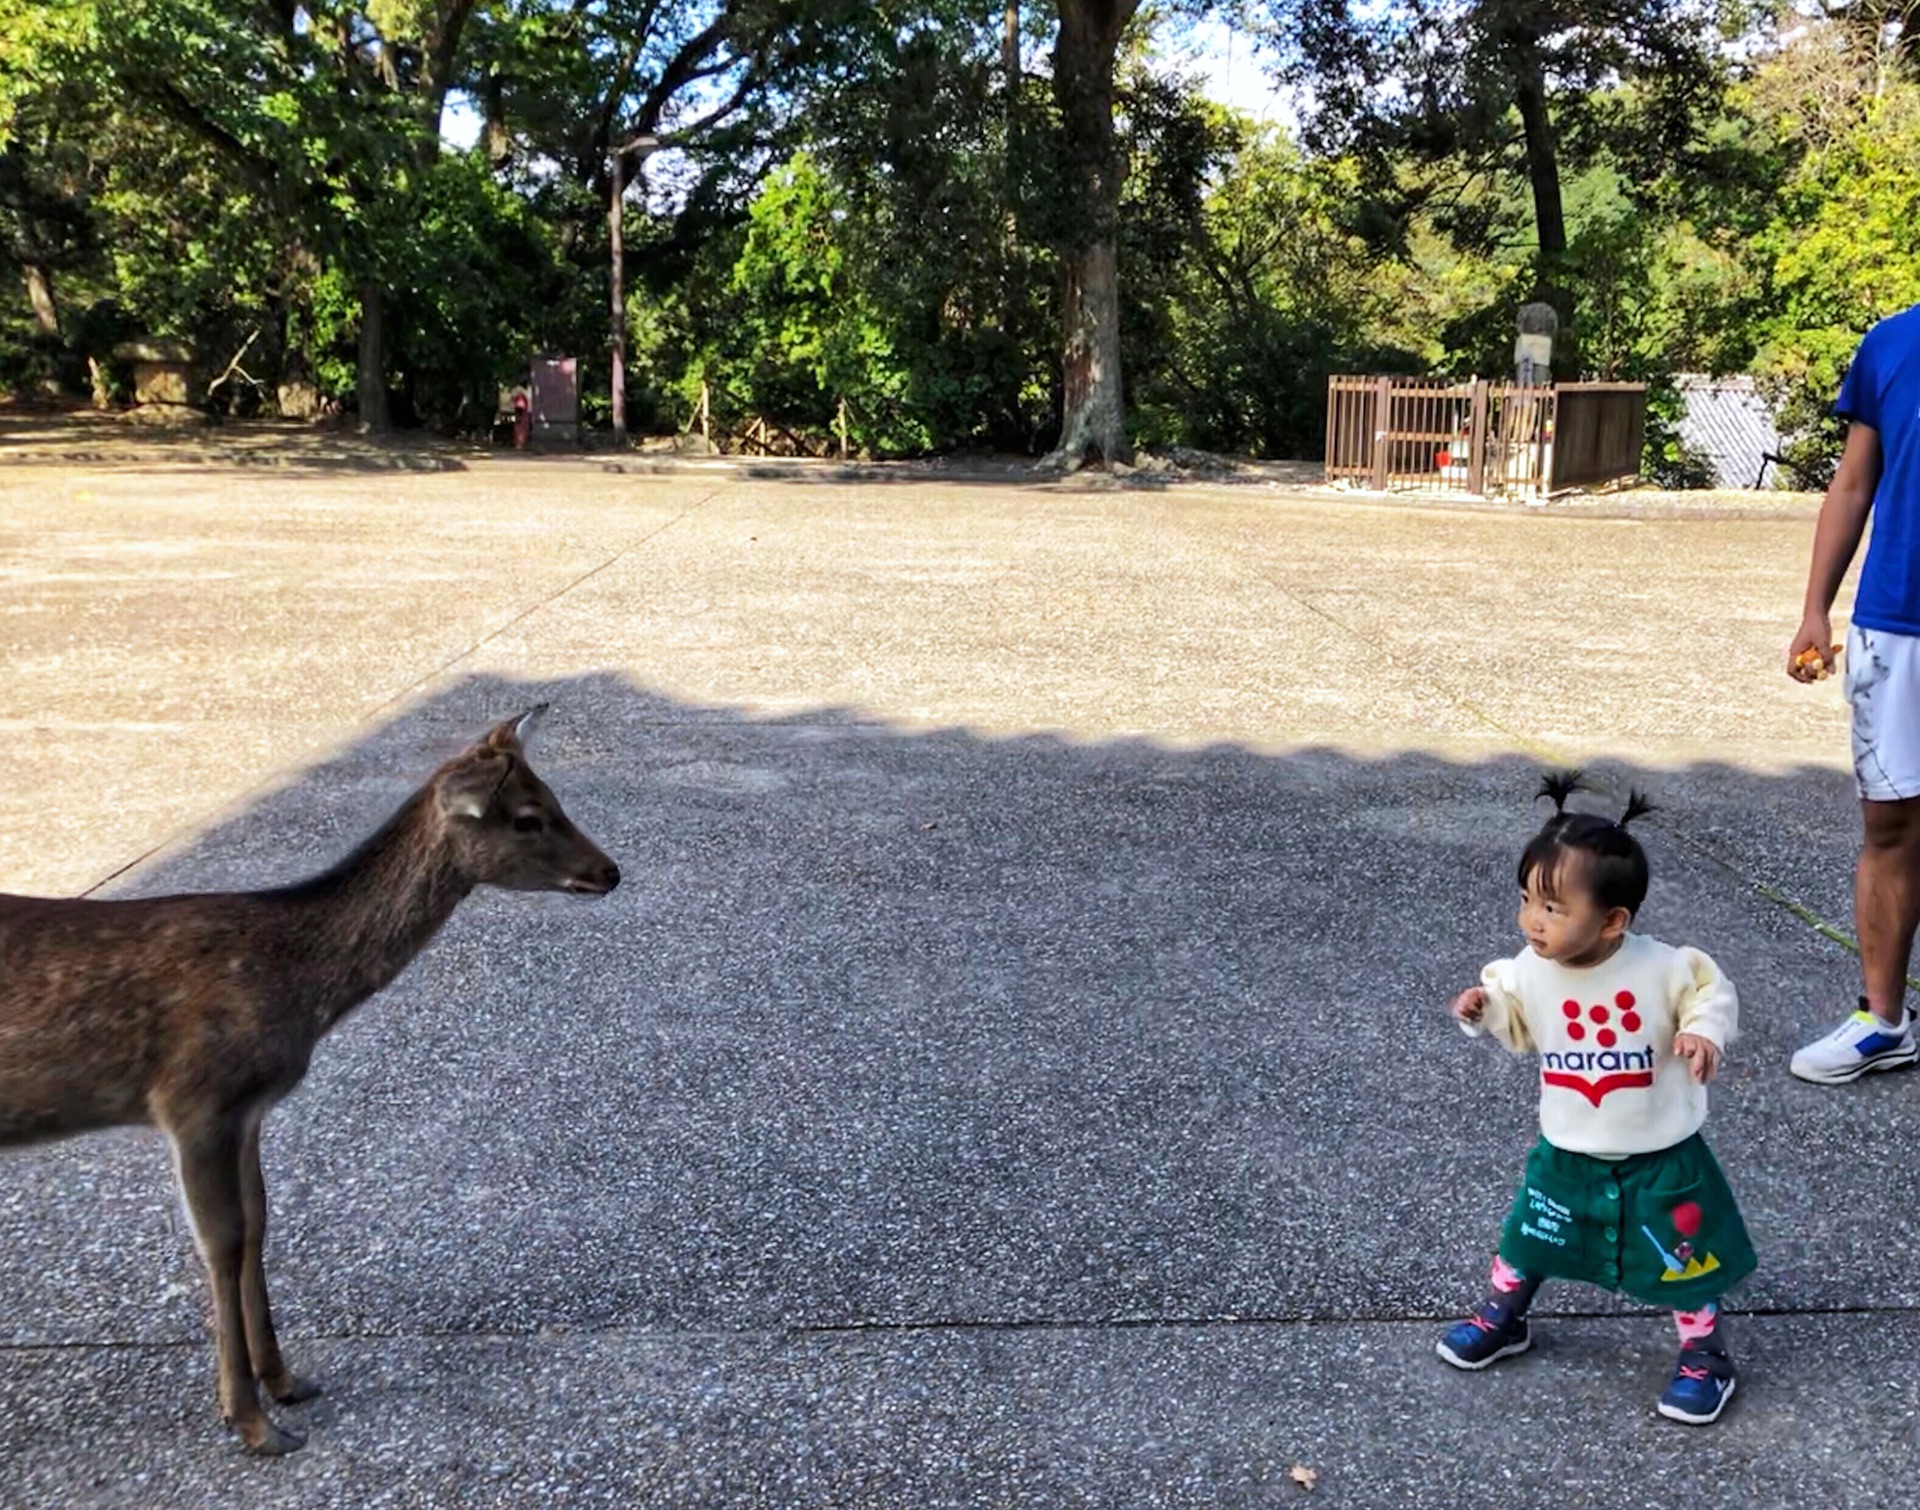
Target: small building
1727,421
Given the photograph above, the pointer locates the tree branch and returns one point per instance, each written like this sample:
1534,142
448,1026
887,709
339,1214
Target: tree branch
187,113
683,69
442,46
234,365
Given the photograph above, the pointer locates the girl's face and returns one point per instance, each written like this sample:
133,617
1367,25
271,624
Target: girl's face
1564,923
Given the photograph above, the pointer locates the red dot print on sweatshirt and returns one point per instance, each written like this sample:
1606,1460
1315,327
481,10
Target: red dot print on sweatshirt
1629,1019
1571,1008
1575,1031
1598,1014
1631,1022
1606,1037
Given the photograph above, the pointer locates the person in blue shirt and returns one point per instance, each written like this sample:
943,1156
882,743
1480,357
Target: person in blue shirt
1879,474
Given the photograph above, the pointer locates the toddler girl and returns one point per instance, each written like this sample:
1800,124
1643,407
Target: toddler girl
1621,1190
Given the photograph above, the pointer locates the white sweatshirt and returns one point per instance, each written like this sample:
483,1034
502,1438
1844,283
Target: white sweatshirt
1610,1083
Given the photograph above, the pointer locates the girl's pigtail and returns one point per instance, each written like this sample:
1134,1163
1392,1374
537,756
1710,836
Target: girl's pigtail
1560,785
1637,807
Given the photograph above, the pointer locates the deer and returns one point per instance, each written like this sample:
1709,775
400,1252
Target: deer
196,1013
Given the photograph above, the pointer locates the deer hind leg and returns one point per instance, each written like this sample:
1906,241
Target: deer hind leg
208,1158
263,1347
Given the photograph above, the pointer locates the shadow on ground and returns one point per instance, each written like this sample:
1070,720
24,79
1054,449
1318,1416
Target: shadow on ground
931,1119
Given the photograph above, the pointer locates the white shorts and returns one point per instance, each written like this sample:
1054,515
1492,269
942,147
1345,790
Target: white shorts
1883,685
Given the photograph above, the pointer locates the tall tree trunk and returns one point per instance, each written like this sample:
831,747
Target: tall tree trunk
1543,159
639,148
46,314
1093,417
1010,165
617,311
442,47
370,383
496,140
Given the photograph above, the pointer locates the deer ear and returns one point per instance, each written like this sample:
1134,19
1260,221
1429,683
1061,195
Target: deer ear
508,736
468,789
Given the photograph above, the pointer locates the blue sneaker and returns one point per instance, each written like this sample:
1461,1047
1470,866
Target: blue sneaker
1702,1384
1860,1044
1491,1333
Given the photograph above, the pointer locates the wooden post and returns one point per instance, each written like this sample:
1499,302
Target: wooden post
1549,442
1333,429
1477,439
1382,412
840,424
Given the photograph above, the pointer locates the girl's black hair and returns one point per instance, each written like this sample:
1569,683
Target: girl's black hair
1613,866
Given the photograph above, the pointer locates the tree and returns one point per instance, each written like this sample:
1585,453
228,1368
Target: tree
1237,309
44,180
399,58
333,110
1093,408
931,140
1843,246
1883,34
607,92
1481,87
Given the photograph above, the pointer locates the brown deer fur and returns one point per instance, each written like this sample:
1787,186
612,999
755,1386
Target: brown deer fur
197,1013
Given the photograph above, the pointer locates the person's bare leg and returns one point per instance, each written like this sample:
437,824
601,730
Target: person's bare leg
1886,902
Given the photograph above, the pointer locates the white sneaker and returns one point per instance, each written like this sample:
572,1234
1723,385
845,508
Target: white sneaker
1860,1044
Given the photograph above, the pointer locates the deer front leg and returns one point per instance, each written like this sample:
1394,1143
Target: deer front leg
208,1157
263,1347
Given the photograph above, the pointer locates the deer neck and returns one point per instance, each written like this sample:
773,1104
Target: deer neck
366,918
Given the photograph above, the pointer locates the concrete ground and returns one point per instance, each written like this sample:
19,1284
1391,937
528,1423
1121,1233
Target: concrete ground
1014,1070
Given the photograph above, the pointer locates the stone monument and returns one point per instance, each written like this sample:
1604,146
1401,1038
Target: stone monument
1533,350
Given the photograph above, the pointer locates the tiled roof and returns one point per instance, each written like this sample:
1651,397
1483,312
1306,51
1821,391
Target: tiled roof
1728,422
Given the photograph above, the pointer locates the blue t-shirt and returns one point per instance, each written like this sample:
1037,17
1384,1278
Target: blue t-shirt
1882,389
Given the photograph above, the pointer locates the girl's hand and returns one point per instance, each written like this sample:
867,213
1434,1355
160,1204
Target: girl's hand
1469,1004
1702,1057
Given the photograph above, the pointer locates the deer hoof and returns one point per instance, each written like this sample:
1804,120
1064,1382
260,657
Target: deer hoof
266,1440
291,1389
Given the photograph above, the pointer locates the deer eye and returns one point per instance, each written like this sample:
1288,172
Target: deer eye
528,823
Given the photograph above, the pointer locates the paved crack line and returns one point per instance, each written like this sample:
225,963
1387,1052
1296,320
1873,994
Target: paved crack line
1225,1322
366,715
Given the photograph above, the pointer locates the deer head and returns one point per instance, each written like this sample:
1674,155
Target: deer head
507,829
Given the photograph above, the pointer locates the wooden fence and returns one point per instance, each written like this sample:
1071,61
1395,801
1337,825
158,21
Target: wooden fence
727,425
1482,438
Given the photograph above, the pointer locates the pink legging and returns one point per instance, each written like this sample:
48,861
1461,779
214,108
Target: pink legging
1693,1326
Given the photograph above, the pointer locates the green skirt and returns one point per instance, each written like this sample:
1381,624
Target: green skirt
1661,1227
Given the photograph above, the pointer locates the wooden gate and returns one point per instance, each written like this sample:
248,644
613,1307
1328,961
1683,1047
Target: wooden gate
1481,438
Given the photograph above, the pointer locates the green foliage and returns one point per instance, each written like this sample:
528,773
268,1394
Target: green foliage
466,307
1845,252
1258,290
46,51
888,264
799,333
808,317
